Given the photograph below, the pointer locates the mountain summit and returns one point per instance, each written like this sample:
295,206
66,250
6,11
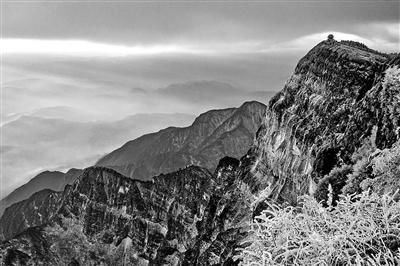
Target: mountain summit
341,96
213,135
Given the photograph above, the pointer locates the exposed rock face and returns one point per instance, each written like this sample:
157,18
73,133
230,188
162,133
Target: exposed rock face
226,218
29,248
34,142
187,217
324,113
53,180
35,210
148,212
192,217
213,135
182,217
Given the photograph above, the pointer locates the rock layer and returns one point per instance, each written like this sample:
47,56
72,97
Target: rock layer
331,104
325,112
35,210
213,135
184,217
53,180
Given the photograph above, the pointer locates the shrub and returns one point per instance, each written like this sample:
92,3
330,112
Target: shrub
390,95
361,171
362,168
337,179
69,242
359,230
386,171
72,247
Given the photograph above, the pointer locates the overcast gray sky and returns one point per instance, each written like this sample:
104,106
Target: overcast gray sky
111,59
119,45
200,23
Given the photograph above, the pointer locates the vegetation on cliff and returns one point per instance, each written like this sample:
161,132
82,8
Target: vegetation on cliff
332,133
71,246
360,230
352,216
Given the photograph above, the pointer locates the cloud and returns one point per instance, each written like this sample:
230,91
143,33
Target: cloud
382,36
143,23
34,143
108,59
304,43
85,48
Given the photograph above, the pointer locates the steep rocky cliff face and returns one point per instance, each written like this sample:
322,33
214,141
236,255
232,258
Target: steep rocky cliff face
183,218
53,180
144,211
327,109
213,135
35,210
336,99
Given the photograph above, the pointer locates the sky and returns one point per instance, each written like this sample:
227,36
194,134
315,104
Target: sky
107,60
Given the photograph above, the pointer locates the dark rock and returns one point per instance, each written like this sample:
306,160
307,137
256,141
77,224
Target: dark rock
325,112
213,135
327,109
53,180
33,211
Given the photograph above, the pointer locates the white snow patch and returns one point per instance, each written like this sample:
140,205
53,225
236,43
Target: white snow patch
123,190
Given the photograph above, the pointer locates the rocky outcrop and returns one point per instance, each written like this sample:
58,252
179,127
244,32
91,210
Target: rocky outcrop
168,219
336,99
213,135
326,110
34,211
147,212
53,180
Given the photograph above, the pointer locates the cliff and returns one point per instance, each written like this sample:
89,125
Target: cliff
338,98
328,108
188,216
213,135
35,210
53,180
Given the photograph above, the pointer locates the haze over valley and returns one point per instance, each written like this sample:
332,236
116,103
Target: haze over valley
200,132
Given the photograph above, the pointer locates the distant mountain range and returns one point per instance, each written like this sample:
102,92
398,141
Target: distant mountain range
77,134
53,112
63,144
214,134
211,92
29,212
338,109
53,180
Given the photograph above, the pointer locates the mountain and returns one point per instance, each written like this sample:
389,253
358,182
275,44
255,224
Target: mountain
64,112
54,112
52,180
220,132
162,218
340,97
29,212
213,135
338,100
64,144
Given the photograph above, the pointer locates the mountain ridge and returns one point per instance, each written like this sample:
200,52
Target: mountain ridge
173,147
325,113
82,146
54,180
